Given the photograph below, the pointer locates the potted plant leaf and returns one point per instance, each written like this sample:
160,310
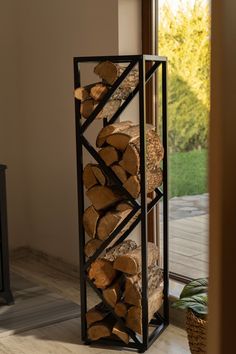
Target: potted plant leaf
194,298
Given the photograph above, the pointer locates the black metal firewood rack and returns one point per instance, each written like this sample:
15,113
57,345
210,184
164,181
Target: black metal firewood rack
150,331
5,291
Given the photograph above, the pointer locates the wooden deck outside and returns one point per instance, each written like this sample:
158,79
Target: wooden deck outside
189,246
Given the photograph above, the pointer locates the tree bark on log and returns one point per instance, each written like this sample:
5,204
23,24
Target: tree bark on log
154,179
133,285
131,262
110,108
134,315
92,246
131,159
90,220
119,331
102,273
120,250
103,197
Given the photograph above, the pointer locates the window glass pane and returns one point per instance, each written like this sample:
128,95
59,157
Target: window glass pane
184,37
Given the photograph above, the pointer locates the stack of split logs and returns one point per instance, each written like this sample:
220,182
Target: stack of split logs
118,275
119,148
118,272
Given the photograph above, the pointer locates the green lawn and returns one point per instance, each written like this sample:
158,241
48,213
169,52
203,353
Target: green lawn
188,173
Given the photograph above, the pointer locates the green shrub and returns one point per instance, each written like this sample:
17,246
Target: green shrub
184,39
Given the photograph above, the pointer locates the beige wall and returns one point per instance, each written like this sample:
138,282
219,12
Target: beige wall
53,32
11,124
47,35
222,180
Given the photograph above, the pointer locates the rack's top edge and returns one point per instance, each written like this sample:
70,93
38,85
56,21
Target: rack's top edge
119,58
3,167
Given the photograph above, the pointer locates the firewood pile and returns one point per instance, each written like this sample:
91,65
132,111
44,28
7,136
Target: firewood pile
117,273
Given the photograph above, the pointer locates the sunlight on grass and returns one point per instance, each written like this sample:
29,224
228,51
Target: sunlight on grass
188,173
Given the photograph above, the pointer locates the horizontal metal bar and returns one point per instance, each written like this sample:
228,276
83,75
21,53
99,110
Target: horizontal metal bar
150,57
120,58
113,235
108,95
107,170
99,293
148,76
113,58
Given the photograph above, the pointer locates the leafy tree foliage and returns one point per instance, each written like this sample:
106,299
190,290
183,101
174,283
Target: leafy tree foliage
184,37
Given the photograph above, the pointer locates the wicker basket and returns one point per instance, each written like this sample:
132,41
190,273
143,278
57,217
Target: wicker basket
197,333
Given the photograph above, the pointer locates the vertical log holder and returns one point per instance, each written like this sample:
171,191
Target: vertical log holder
152,330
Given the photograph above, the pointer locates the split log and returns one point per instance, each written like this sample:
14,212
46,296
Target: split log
154,179
134,315
90,220
109,222
100,175
92,246
102,273
131,262
124,136
86,107
113,293
120,140
121,309
103,197
119,250
111,129
120,173
97,313
98,91
132,185
84,93
110,108
131,159
119,331
101,329
109,155
89,178
133,285
125,228
124,206
81,93
109,72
